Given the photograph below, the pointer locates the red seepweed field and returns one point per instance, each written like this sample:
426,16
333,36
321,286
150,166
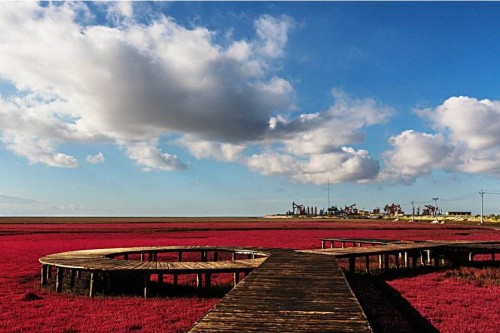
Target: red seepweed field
451,300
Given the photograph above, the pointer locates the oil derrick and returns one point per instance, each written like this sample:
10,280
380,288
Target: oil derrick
393,209
298,209
429,210
350,210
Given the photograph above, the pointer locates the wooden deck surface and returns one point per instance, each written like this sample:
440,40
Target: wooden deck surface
102,260
289,292
389,248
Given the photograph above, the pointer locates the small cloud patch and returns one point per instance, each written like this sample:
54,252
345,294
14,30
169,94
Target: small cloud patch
96,159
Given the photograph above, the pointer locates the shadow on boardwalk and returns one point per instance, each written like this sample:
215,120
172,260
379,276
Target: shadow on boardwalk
386,309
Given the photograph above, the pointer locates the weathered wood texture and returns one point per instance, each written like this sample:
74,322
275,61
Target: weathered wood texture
103,260
290,292
356,242
394,248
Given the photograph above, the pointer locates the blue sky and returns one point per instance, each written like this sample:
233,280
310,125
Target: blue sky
240,108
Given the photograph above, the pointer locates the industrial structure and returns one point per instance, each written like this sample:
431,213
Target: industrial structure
392,210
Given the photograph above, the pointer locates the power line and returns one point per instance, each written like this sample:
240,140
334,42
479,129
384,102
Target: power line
491,192
462,197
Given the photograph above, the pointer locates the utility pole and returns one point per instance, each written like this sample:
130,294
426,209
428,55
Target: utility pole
328,189
413,211
482,206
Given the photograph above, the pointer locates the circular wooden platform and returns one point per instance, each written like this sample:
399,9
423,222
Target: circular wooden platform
145,262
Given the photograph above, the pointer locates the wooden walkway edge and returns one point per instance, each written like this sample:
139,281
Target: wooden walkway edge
289,292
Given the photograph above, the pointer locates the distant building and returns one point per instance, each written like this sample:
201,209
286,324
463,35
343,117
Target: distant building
459,213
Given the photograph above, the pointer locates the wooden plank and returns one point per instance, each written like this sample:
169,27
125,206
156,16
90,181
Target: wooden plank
279,297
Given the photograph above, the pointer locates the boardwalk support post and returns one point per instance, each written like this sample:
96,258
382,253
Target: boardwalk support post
92,284
44,275
146,285
352,264
59,279
208,279
49,271
72,274
236,278
199,280
414,258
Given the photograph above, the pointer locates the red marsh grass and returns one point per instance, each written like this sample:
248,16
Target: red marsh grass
26,307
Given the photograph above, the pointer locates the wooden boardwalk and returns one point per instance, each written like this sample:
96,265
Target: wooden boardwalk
406,254
103,261
289,292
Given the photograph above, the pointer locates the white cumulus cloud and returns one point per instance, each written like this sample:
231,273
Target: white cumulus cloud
132,82
416,154
150,157
96,159
203,149
344,165
340,125
467,139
